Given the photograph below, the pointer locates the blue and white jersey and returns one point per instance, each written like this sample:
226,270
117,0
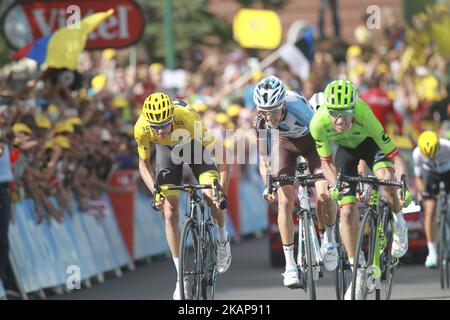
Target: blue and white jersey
295,122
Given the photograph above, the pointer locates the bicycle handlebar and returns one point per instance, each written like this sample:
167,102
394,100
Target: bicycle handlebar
190,188
372,181
270,188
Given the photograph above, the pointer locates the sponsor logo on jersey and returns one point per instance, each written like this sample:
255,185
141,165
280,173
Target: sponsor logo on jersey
385,137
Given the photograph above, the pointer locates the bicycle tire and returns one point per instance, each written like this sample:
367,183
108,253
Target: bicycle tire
443,258
310,282
209,270
188,250
342,273
386,258
367,239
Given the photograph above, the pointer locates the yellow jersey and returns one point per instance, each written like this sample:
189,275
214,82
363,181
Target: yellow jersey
186,126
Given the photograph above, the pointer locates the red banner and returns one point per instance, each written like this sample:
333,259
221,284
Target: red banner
123,205
25,22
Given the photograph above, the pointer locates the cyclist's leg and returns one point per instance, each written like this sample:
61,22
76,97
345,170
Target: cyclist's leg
169,173
383,169
347,159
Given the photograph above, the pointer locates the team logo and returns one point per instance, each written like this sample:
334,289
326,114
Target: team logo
385,137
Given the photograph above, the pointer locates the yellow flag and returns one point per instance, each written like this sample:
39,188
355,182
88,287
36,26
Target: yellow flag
66,43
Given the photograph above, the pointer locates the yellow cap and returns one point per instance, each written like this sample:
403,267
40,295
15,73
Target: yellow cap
156,67
99,82
222,118
200,106
108,54
43,122
233,110
257,75
48,144
120,102
74,121
359,69
382,68
354,51
21,127
52,108
61,141
63,127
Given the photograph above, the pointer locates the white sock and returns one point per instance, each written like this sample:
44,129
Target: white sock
176,261
329,234
431,248
289,256
321,234
222,234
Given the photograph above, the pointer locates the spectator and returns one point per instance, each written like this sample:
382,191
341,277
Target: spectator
333,5
6,177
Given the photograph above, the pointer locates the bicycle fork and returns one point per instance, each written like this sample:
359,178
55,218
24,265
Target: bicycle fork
305,213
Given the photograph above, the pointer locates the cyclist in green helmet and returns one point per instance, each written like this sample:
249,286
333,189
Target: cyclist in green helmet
349,122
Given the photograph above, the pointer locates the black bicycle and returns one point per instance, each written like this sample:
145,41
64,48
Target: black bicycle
374,239
309,260
444,235
198,250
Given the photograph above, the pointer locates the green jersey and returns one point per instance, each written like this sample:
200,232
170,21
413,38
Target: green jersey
365,125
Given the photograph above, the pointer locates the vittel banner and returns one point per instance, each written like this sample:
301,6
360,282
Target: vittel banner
24,22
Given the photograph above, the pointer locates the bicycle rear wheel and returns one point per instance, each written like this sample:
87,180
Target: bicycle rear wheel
189,262
444,241
310,282
209,270
365,248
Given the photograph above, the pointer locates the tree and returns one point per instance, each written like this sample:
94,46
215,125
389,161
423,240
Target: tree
266,4
193,23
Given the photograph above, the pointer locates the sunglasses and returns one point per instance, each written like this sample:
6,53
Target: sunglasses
272,111
161,126
341,113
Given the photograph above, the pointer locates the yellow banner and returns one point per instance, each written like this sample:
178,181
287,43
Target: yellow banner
257,29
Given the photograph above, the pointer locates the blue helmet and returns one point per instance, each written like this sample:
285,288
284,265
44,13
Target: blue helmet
270,92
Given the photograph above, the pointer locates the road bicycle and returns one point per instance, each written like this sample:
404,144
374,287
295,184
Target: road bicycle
444,235
374,239
309,258
198,250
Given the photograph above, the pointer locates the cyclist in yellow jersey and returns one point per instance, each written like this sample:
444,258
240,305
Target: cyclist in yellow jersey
177,134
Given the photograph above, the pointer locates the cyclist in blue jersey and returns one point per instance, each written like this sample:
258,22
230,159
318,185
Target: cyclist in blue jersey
289,114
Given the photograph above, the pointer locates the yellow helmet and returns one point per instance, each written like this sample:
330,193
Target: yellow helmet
428,144
157,108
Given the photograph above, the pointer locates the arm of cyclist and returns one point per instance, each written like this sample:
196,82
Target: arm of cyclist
263,168
146,171
400,171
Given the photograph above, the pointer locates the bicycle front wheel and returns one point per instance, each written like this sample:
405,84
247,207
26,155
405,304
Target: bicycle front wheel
310,282
342,274
209,270
364,248
444,238
189,267
387,261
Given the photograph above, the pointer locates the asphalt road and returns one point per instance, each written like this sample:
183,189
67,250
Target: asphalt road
250,278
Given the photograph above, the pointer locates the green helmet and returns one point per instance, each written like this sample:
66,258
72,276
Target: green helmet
340,94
